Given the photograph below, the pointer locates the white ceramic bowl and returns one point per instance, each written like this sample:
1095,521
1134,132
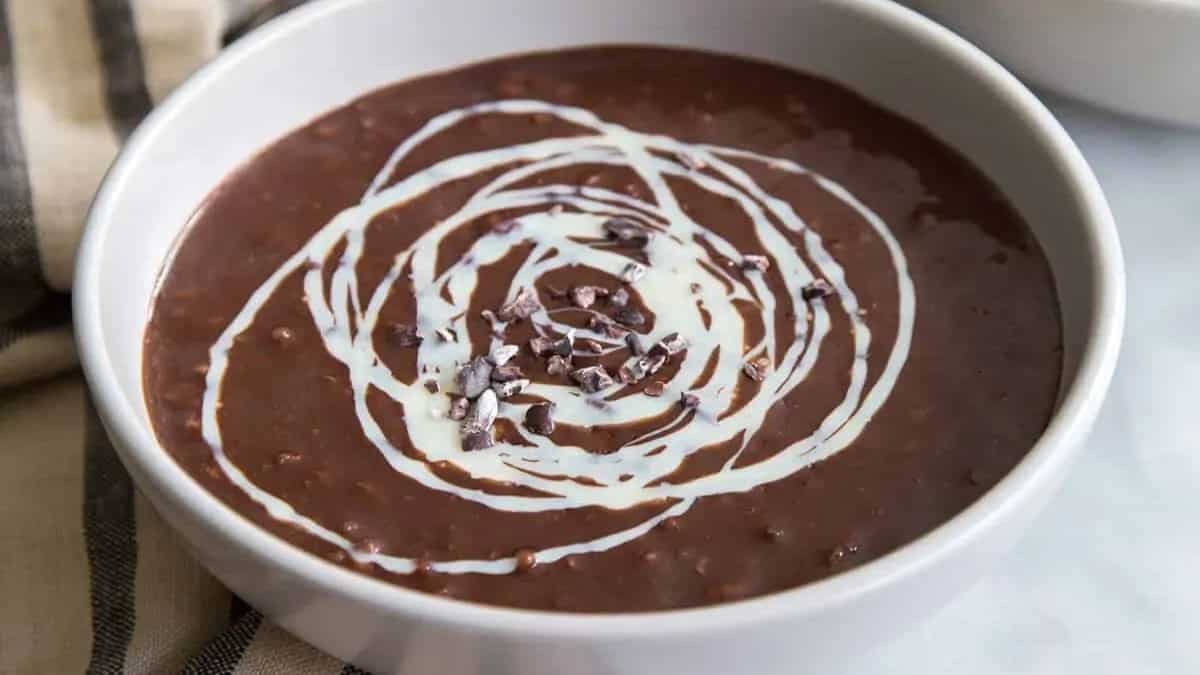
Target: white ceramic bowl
1135,56
327,53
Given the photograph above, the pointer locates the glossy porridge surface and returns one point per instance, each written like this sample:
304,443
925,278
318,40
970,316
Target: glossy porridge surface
842,333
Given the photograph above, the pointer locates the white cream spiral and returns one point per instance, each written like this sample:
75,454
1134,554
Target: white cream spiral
681,277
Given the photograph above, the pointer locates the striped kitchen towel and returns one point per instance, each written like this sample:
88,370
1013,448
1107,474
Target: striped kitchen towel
91,580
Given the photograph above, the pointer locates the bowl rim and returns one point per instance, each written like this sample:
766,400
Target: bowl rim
1067,429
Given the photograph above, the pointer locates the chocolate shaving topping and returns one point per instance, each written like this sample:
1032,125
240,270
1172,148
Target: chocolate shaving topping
615,330
633,272
405,335
653,362
619,298
477,440
655,388
626,232
592,378
541,346
638,369
585,296
629,317
564,345
432,387
446,335
605,325
540,418
482,414
522,307
694,288
635,344
503,354
506,373
689,401
557,365
757,368
673,344
818,288
458,408
755,263
510,388
545,346
625,374
668,346
474,377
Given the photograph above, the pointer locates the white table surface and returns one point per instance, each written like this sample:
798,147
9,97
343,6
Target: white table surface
1107,582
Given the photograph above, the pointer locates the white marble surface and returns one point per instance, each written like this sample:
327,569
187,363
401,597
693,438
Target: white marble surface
1108,580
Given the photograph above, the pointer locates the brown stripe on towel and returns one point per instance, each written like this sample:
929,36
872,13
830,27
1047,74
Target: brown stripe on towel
110,534
20,271
110,519
53,310
38,342
178,605
221,656
121,58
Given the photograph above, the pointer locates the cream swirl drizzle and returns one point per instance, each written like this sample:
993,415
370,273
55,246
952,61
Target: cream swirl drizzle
572,477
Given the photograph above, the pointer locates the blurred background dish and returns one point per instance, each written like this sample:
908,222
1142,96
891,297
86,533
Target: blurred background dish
1134,56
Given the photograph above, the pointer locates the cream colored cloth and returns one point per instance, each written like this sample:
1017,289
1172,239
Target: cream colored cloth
90,578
